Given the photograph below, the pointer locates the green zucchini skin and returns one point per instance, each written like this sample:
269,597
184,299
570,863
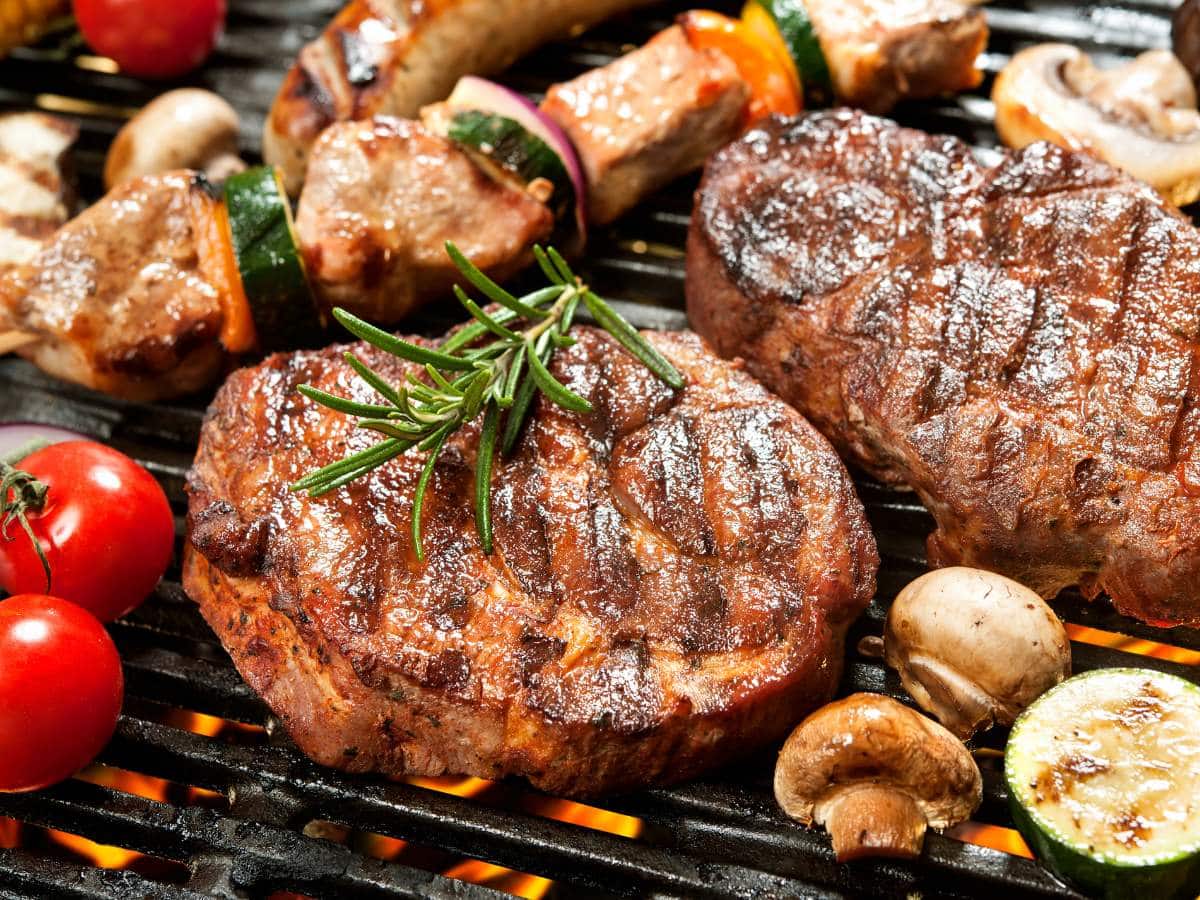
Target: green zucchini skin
796,27
269,261
1178,880
509,144
1174,878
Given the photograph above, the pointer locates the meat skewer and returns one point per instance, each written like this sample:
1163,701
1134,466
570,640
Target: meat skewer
384,196
391,57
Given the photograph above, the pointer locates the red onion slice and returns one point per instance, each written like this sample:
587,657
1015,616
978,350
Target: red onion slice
473,92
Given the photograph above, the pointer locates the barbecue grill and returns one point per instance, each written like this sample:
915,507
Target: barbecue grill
241,813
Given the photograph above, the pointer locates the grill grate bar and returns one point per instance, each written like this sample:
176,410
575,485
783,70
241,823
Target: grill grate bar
260,856
720,836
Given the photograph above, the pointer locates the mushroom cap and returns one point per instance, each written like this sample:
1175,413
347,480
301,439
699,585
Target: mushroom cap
870,739
974,648
188,128
1140,116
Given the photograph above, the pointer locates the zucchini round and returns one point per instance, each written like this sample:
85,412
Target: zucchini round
796,28
1103,775
269,260
511,146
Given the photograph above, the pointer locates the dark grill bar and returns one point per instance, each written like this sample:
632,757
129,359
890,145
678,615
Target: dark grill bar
720,837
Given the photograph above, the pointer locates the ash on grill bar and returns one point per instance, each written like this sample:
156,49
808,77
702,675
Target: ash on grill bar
732,492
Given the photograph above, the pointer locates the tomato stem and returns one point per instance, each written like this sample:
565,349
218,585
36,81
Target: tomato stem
28,495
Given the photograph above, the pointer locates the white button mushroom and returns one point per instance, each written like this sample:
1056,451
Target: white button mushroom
184,129
974,648
1140,116
876,775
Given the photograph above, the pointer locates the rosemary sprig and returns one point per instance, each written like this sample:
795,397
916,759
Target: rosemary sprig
495,366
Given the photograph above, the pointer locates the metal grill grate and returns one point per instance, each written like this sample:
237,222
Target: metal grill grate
722,836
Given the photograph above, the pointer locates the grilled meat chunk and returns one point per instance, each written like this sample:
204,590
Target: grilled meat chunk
647,118
35,193
671,585
382,199
1019,344
391,57
119,298
883,51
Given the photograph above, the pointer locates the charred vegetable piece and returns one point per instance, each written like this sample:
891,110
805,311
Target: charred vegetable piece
796,27
269,260
773,88
511,146
1104,779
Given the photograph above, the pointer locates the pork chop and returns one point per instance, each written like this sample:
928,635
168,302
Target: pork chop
671,585
1017,344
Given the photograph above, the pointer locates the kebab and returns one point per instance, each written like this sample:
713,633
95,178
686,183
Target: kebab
485,170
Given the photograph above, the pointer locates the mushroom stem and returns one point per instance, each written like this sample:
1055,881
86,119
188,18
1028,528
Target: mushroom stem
872,820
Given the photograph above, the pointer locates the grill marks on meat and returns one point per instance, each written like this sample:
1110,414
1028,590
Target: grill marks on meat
119,296
1017,344
381,200
672,580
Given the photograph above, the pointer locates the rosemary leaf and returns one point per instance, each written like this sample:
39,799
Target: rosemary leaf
342,404
483,476
546,266
475,275
522,401
397,346
422,485
560,265
337,468
509,389
612,322
551,387
482,317
364,372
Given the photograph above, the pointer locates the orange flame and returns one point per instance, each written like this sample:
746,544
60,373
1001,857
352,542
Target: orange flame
10,833
1099,638
1005,840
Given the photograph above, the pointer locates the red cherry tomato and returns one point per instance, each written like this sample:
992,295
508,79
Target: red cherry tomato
61,688
151,38
105,527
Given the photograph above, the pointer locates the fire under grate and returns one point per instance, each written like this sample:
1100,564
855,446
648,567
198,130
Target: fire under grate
210,799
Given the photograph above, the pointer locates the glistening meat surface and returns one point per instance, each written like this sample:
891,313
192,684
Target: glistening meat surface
672,580
1017,344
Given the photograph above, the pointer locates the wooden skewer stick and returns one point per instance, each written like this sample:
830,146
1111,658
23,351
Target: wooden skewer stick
15,340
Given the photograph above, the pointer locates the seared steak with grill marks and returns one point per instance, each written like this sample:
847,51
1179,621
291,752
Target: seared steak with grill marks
1017,344
672,580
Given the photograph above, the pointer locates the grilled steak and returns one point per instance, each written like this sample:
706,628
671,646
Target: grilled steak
1016,344
671,585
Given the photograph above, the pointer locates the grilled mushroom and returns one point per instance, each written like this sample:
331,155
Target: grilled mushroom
184,129
974,648
1140,117
876,774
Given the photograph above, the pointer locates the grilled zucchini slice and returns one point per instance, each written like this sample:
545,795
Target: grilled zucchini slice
1103,775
